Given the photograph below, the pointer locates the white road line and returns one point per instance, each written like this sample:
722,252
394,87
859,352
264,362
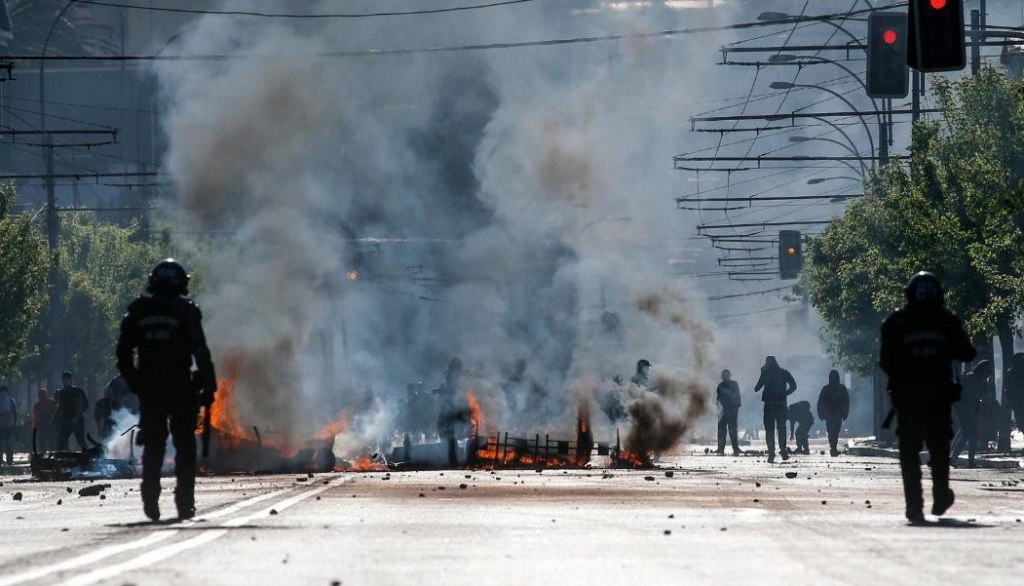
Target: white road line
240,505
163,553
17,508
114,550
152,557
278,507
86,559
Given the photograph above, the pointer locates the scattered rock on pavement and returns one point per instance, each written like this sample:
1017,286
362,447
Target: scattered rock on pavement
93,490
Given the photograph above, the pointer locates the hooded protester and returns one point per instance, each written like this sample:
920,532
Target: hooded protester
833,409
920,342
778,384
727,395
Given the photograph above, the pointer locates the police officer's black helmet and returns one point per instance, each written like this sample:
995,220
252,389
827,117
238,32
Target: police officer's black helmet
924,288
168,277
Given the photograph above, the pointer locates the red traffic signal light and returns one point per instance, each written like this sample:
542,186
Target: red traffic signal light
887,73
936,37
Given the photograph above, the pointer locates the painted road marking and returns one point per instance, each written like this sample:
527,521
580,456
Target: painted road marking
114,550
240,505
163,553
87,559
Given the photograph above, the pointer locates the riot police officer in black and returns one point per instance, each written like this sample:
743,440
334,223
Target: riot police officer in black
161,337
919,344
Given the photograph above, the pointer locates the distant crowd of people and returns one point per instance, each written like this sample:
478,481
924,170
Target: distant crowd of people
777,385
56,418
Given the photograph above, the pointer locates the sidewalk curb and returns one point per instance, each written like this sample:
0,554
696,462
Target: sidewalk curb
990,463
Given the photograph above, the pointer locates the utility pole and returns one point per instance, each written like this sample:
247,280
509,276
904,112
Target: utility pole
915,94
975,48
52,229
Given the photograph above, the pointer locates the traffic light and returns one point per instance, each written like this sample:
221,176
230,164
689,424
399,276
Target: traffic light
936,41
791,254
888,74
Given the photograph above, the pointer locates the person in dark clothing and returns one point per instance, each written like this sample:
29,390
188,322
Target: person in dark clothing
778,384
919,344
1013,391
161,336
121,397
43,413
800,422
72,403
833,409
969,412
642,376
453,408
102,412
728,397
8,423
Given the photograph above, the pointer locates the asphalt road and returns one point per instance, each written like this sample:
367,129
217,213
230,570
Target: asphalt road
716,520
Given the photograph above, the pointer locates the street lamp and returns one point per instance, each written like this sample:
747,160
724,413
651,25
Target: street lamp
785,85
883,148
849,148
817,180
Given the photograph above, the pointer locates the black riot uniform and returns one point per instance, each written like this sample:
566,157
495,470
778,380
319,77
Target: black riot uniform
161,336
919,344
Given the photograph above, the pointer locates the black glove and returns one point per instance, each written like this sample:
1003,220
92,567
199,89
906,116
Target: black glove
206,398
132,380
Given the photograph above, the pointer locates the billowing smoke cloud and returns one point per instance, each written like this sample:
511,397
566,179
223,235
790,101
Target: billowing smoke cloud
511,208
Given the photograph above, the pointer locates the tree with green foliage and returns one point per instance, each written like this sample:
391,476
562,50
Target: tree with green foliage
101,268
22,281
948,209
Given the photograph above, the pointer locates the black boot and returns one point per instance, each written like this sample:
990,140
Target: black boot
151,499
941,506
184,500
916,517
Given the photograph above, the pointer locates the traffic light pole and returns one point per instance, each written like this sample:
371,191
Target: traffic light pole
975,49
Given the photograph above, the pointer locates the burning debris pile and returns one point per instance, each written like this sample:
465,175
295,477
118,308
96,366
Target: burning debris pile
236,447
88,463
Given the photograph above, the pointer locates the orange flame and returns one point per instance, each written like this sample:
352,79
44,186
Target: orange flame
367,465
231,433
476,416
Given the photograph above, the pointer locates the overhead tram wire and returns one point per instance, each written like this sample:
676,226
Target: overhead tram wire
287,15
746,104
668,33
781,104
